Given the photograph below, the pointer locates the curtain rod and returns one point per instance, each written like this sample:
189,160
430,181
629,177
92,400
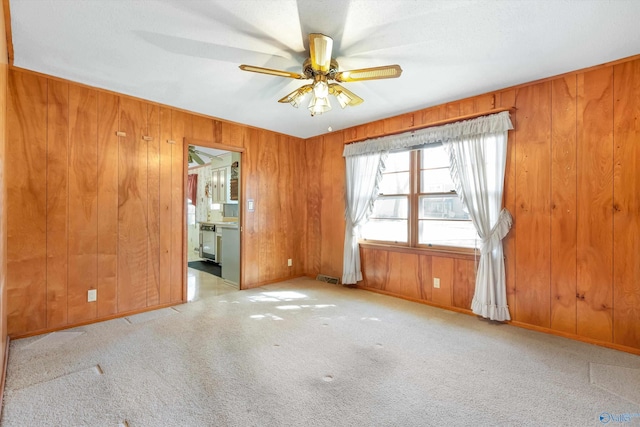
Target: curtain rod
444,122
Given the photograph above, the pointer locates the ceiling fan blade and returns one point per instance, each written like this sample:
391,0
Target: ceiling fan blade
345,96
295,97
375,73
271,72
320,47
193,156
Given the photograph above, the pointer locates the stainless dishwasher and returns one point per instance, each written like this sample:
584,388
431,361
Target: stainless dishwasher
208,242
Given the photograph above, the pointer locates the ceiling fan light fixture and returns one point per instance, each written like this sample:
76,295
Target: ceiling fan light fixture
319,105
343,99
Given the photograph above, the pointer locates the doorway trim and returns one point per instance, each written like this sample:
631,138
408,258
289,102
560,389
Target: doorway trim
243,184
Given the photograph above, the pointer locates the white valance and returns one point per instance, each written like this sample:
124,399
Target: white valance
494,123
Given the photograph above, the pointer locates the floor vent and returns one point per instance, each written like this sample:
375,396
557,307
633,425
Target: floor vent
328,279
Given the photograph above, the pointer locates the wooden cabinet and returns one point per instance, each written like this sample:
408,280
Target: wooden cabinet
219,185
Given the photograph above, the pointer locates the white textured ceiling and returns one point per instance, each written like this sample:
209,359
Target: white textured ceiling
186,53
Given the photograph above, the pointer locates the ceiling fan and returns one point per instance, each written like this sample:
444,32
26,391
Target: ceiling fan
195,155
322,68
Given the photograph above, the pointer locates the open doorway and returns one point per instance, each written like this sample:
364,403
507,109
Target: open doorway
213,221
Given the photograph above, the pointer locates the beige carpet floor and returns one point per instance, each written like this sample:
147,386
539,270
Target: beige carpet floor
306,353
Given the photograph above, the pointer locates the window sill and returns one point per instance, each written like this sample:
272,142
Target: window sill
451,252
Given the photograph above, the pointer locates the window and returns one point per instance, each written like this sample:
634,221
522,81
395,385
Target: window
418,205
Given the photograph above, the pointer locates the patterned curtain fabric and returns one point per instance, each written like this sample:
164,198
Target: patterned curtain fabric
192,188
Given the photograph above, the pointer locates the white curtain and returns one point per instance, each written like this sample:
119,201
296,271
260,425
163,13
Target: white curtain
477,168
477,149
364,173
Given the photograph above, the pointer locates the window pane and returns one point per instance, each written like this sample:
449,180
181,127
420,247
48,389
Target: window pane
384,229
391,207
447,233
442,207
433,157
397,162
395,183
436,181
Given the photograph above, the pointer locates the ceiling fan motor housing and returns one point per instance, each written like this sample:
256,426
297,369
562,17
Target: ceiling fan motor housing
310,73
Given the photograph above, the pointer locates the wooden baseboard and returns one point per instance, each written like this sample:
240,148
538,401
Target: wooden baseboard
268,282
4,375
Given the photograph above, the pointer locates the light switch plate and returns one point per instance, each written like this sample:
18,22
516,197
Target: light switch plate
436,282
250,205
290,262
92,295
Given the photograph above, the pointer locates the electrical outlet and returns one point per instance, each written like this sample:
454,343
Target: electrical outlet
290,262
92,295
436,282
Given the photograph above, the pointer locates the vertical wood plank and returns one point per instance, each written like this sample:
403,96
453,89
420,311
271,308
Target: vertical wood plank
464,282
315,153
533,160
202,128
594,202
250,251
83,202
153,205
442,268
375,268
286,222
132,212
403,275
299,180
333,230
269,203
426,278
107,282
57,202
626,218
563,204
26,170
508,99
180,127
164,294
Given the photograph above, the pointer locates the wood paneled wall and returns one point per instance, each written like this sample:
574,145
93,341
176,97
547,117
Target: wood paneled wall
3,198
96,200
573,188
325,205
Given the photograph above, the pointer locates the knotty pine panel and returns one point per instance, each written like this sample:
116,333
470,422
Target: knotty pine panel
507,99
533,181
316,173
153,204
107,275
626,214
165,214
298,202
442,268
563,204
180,127
133,204
83,202
26,175
594,202
57,202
